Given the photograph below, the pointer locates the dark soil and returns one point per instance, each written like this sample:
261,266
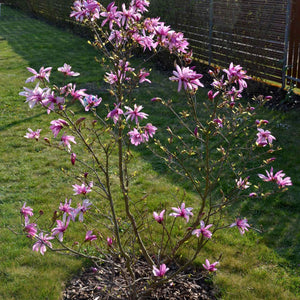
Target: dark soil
107,282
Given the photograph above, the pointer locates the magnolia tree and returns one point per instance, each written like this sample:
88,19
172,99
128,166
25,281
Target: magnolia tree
218,152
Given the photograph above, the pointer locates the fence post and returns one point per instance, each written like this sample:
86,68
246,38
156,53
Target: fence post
286,40
211,16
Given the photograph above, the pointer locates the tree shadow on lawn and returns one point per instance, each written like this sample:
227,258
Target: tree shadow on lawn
41,44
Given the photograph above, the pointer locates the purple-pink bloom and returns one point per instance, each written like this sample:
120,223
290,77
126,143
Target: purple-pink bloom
90,101
115,113
109,241
136,138
66,208
134,114
264,137
203,230
66,70
210,267
278,178
218,122
187,78
42,242
112,16
243,183
182,212
211,95
161,271
57,126
35,96
85,9
149,131
44,73
82,189
159,217
66,139
51,100
142,76
27,212
81,209
241,225
140,5
237,74
89,236
33,134
30,229
61,228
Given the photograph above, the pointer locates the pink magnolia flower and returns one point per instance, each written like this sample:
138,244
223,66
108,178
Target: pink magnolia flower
161,271
134,114
237,74
26,211
243,183
33,134
86,9
278,178
35,96
82,189
109,241
182,212
81,210
241,225
31,229
159,217
264,137
186,77
66,70
136,138
218,122
203,230
61,228
42,243
115,113
140,5
52,100
177,42
211,95
90,101
89,236
66,139
44,73
210,267
149,130
66,208
112,16
142,76
129,16
57,126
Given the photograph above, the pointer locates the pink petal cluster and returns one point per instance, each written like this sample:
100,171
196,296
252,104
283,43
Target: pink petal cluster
210,267
31,230
82,189
159,217
203,230
89,236
42,243
135,113
51,100
86,9
66,139
161,271
37,95
33,134
57,126
90,101
241,225
61,228
66,70
44,73
115,113
236,74
243,184
182,211
27,212
187,78
277,177
264,137
137,137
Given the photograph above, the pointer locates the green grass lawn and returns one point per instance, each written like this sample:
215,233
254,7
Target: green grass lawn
255,266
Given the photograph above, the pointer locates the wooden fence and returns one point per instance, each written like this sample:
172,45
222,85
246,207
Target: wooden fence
252,33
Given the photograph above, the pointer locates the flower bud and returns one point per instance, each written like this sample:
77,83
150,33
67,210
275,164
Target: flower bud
73,158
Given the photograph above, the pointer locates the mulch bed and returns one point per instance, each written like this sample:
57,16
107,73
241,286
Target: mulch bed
106,282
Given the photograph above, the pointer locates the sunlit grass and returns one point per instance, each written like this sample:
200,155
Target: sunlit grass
255,266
